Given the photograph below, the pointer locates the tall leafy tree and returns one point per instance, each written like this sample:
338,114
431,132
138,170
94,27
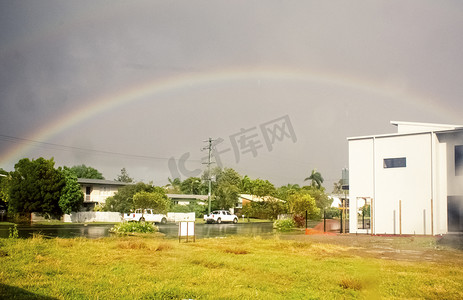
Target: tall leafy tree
122,201
124,176
226,195
322,200
246,185
83,171
262,188
4,187
35,186
72,197
157,200
173,187
284,191
316,179
228,188
192,185
299,203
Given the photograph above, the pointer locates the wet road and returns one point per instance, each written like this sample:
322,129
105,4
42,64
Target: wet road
170,230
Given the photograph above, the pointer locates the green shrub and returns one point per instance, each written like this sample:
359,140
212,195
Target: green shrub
284,225
299,220
198,209
134,227
332,212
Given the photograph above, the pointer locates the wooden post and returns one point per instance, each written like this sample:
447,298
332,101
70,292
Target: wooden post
424,221
371,216
342,214
432,218
400,217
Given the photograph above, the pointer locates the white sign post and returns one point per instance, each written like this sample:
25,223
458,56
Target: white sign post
186,229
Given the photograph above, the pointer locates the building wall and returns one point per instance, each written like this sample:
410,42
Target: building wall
99,193
361,176
393,190
453,184
405,192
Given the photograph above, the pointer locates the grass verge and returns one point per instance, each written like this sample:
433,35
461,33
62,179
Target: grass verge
243,268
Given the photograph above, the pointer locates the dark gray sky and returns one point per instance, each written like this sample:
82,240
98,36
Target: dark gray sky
115,84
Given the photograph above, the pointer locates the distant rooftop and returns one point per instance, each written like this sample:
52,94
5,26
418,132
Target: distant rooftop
184,196
412,127
101,181
406,128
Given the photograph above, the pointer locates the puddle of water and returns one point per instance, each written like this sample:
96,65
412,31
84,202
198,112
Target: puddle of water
94,231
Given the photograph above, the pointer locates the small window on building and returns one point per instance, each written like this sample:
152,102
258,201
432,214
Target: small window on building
400,162
459,160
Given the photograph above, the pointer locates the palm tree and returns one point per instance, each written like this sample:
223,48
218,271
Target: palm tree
337,188
317,179
173,186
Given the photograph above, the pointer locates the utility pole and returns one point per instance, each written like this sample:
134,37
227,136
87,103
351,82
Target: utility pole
209,148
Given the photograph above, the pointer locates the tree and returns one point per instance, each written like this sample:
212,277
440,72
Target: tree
262,188
226,195
72,197
322,200
173,187
192,185
122,201
4,187
228,188
284,191
337,187
316,178
268,209
246,185
83,171
35,186
157,200
124,176
300,202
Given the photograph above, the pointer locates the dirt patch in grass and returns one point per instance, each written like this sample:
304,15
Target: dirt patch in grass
163,247
235,251
132,244
351,283
400,248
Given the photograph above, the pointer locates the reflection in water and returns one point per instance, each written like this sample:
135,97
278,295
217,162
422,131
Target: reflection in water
220,230
94,231
62,231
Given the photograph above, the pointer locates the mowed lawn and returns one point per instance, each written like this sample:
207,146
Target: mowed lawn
229,268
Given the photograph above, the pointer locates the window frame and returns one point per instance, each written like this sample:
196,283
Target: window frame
395,162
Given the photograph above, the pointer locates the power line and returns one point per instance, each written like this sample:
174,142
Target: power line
61,147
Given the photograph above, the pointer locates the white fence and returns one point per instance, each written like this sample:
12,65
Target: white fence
177,217
93,216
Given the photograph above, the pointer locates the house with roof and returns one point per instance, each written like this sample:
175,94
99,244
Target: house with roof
244,199
96,191
408,182
181,199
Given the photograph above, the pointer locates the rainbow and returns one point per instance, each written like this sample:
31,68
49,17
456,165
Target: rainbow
157,87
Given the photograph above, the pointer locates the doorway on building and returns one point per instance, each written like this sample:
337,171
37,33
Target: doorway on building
364,213
455,213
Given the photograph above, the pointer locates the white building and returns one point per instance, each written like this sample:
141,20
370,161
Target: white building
96,191
410,182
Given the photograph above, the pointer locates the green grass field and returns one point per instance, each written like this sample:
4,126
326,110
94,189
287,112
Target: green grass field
284,267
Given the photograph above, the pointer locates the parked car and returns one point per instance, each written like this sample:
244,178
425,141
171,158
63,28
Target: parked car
219,216
147,215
